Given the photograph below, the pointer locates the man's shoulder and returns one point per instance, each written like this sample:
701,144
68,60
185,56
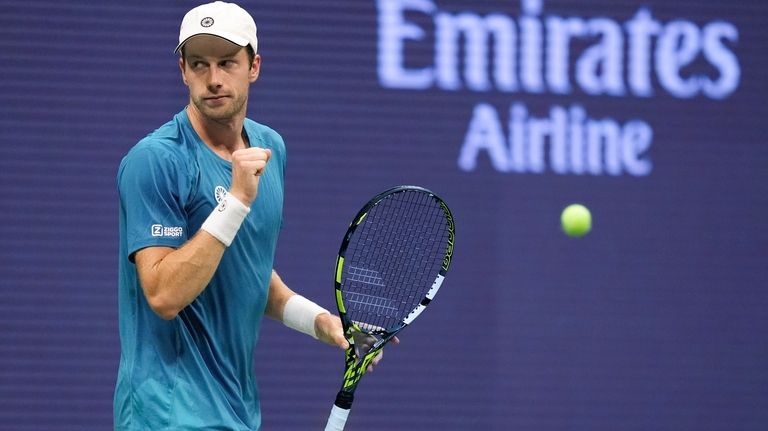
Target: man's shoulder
167,137
167,142
264,132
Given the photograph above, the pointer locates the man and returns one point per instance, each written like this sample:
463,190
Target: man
200,209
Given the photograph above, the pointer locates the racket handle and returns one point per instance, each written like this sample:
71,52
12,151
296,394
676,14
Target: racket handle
337,419
340,411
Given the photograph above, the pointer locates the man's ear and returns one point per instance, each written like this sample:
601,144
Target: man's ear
181,68
255,68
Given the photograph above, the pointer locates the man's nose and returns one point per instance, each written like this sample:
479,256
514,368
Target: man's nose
214,77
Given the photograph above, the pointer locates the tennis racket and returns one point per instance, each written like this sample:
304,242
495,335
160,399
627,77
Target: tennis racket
391,263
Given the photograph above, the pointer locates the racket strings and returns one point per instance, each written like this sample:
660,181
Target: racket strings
392,259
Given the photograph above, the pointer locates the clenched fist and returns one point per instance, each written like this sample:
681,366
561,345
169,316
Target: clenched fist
247,166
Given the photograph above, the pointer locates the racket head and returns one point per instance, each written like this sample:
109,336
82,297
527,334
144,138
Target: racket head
392,261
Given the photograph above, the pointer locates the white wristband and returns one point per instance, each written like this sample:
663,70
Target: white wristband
225,219
300,313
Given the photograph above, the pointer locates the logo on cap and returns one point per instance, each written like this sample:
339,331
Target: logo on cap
207,22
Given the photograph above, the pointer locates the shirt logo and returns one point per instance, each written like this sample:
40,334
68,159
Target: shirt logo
159,230
220,193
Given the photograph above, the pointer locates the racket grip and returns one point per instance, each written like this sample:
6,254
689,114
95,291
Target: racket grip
337,419
340,411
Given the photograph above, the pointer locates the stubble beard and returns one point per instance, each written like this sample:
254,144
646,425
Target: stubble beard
221,114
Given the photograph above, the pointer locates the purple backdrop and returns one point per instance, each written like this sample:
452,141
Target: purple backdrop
651,113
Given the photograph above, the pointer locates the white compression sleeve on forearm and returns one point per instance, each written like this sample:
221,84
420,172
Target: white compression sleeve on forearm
300,313
225,219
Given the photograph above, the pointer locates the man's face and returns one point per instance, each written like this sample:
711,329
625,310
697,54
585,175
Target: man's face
218,74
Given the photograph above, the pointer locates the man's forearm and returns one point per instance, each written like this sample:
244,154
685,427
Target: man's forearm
279,293
173,278
295,311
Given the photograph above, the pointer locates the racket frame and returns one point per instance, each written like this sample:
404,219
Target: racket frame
355,366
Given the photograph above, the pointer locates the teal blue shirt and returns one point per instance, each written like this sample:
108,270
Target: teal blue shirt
196,370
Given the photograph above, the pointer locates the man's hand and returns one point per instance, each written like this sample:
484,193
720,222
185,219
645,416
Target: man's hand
330,331
247,166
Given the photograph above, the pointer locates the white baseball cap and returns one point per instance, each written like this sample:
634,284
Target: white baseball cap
225,20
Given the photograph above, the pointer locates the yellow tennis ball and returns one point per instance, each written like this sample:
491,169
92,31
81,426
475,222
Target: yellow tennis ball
576,220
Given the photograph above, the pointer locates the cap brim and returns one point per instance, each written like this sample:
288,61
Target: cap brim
226,36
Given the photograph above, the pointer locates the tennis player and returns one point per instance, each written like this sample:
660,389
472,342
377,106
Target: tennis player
201,203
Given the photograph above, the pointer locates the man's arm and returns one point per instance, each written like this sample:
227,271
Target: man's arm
327,327
173,278
279,293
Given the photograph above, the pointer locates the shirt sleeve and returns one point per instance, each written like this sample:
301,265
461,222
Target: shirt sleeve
152,188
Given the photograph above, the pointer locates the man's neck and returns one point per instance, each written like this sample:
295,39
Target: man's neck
224,137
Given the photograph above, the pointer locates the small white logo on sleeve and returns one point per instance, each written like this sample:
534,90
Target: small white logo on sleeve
220,193
167,231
